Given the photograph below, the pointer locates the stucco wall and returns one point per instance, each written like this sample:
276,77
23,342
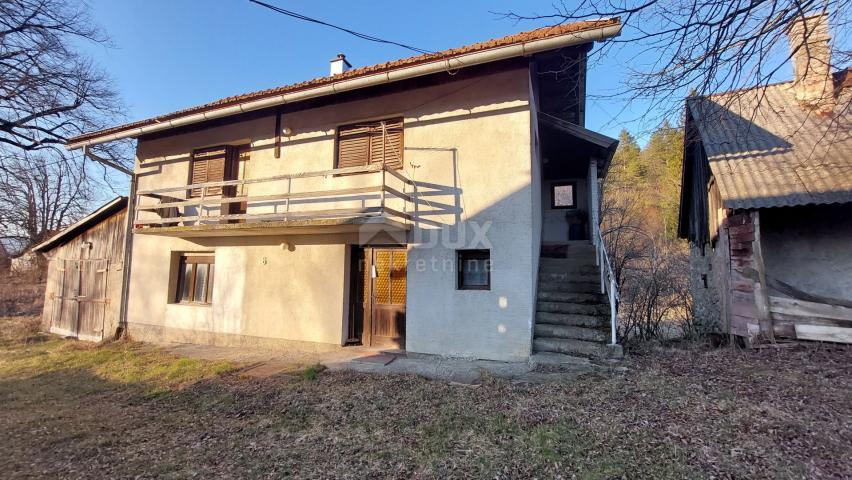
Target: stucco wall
467,145
809,248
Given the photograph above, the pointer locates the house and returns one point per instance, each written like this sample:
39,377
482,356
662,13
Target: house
85,274
767,186
440,204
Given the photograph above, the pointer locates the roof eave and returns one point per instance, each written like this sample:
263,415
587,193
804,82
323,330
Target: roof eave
71,231
450,63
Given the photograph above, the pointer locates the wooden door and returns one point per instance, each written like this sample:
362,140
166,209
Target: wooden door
91,302
65,317
380,294
387,319
80,305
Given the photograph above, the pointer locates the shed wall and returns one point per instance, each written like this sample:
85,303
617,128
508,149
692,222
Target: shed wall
107,243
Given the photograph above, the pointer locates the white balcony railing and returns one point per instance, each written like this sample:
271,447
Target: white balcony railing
365,192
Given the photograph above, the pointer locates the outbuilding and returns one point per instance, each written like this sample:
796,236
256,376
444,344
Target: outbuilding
86,273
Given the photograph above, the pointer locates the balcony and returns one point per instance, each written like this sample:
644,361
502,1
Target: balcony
364,199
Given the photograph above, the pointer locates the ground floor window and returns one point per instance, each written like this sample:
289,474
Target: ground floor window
195,279
474,267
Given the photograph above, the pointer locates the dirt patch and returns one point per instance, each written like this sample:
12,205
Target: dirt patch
677,413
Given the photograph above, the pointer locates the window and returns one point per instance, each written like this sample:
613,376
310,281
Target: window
365,143
215,164
474,267
563,195
195,279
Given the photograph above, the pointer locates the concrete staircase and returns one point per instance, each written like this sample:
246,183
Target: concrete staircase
572,316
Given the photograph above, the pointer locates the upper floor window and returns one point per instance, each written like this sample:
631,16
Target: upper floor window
215,164
365,143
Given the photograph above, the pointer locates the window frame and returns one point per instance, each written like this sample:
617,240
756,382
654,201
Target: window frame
472,254
393,120
553,188
181,278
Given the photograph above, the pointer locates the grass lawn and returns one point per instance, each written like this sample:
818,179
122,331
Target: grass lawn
71,410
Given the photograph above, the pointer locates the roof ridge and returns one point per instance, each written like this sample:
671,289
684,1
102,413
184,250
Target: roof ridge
508,40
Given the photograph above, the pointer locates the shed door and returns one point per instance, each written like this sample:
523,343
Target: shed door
80,306
65,302
91,302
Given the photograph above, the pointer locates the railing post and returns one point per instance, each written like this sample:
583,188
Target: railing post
287,201
613,315
201,212
604,266
382,193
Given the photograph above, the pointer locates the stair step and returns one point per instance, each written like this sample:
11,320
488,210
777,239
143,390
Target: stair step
568,277
588,298
569,332
552,358
569,286
571,319
569,347
584,268
564,307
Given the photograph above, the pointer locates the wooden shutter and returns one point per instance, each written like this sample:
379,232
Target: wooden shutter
371,142
209,165
387,140
353,146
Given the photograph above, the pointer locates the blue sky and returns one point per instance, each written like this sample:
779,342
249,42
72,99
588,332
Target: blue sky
171,54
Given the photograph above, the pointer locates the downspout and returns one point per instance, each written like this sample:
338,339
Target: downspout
128,237
128,250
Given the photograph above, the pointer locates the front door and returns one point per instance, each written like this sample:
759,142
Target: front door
380,292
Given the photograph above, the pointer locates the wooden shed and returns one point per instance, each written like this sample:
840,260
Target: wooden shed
85,274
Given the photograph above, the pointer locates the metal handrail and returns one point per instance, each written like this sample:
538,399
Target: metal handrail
612,292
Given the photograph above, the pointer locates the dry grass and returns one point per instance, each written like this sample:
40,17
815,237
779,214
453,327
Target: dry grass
128,410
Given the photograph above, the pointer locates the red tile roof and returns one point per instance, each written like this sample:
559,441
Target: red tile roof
522,37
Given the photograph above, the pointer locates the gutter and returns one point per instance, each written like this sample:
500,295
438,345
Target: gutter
444,65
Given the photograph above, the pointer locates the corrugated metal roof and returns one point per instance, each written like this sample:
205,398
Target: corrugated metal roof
537,34
766,151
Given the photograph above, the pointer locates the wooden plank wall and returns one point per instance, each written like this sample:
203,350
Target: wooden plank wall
750,312
743,310
107,243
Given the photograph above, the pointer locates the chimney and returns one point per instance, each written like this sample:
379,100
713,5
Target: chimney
339,65
811,53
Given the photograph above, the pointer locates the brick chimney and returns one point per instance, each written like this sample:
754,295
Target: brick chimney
339,65
811,53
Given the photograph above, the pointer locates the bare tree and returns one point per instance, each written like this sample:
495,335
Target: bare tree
680,47
39,200
49,92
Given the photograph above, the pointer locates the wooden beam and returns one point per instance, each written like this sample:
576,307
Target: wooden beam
397,213
824,333
761,294
801,308
278,133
